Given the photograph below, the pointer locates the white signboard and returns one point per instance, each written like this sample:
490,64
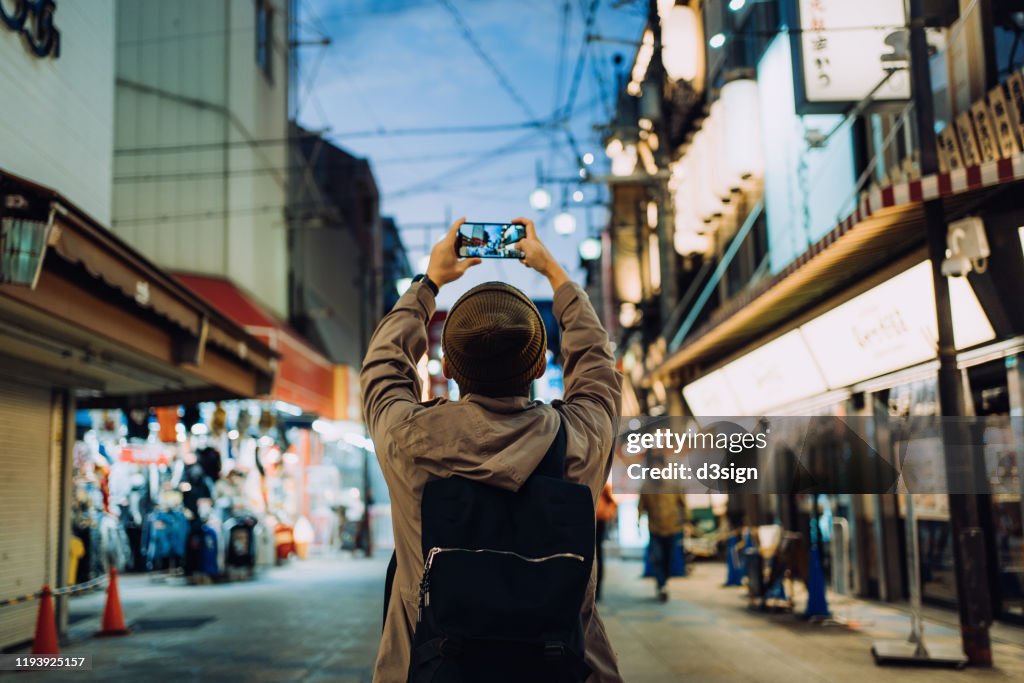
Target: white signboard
891,327
842,43
780,372
711,396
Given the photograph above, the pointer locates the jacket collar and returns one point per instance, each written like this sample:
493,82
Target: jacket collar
505,404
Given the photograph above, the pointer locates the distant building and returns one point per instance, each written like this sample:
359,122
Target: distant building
345,259
85,319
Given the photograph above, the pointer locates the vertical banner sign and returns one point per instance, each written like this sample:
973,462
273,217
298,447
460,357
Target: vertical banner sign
950,158
1015,86
1002,122
988,146
839,53
968,141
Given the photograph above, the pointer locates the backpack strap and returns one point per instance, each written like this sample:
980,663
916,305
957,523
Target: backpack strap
553,464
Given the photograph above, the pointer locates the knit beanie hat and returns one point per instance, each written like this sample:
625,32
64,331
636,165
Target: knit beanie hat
494,341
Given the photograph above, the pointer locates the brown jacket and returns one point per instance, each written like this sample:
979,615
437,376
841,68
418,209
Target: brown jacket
497,440
666,512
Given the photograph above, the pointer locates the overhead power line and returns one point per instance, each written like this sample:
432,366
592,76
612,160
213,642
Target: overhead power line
467,34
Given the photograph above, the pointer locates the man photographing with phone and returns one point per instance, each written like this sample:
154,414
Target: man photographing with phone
495,443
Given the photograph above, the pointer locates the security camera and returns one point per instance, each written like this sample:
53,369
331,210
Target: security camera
967,247
956,266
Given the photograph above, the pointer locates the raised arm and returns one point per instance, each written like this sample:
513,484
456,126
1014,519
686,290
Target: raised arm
593,387
389,381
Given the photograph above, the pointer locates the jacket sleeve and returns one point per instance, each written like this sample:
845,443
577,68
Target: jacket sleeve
593,387
389,380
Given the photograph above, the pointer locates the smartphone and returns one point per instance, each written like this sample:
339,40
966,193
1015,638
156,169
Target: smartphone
490,240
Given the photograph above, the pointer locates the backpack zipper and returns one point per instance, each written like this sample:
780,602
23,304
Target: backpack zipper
435,551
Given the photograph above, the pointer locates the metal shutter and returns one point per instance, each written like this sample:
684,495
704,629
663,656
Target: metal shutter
25,504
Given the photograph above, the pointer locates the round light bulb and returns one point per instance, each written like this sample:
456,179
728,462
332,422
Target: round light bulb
590,249
588,158
540,199
577,196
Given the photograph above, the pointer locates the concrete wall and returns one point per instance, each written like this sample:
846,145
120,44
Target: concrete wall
197,187
56,114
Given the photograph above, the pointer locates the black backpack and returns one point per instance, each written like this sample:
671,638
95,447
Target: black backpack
504,579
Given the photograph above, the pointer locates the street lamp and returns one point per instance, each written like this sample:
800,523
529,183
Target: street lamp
25,226
590,249
565,223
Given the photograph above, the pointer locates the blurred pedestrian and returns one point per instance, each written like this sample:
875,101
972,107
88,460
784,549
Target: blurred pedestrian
494,345
607,509
666,520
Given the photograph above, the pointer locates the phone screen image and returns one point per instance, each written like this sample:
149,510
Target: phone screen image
490,240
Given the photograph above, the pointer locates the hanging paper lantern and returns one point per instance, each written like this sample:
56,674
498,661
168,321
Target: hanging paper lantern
682,50
722,182
744,156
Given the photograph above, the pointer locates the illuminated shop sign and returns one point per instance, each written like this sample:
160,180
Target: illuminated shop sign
33,19
839,50
885,329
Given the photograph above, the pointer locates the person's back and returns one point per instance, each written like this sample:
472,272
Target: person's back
494,346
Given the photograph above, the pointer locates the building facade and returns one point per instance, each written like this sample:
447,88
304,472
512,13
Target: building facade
801,271
201,141
85,319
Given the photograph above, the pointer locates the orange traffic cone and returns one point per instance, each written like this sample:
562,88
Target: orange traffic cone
113,617
45,642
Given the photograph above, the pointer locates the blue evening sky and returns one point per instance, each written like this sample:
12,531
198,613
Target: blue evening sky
398,64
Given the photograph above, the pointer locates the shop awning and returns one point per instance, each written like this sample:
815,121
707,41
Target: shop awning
107,321
306,378
887,226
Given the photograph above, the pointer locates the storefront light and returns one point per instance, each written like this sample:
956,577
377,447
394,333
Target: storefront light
716,41
737,5
233,434
434,367
643,60
287,408
199,429
577,196
588,158
25,226
622,156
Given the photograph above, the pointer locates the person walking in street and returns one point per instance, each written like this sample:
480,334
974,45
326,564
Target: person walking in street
494,346
606,511
666,520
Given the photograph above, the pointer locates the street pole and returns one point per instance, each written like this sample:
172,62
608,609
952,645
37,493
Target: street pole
973,597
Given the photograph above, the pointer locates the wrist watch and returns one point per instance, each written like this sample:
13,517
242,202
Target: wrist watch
422,277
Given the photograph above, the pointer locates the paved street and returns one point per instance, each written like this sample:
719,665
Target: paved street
319,621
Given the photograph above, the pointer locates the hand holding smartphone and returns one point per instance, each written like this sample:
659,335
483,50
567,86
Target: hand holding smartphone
490,240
